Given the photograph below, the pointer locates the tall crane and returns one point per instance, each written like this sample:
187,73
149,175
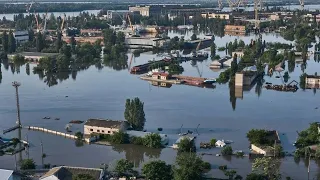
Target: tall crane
29,6
36,17
62,23
45,23
257,6
234,4
131,26
301,4
220,4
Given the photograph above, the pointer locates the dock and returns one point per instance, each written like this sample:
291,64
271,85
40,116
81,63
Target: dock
66,135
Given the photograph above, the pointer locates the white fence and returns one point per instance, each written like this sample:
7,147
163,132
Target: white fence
52,132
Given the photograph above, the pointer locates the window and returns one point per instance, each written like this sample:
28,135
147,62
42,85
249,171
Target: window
102,131
108,131
98,130
91,129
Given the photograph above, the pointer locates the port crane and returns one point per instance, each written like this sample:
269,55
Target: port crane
130,62
196,64
29,6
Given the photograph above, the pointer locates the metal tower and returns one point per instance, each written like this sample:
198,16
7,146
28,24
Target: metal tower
257,6
16,85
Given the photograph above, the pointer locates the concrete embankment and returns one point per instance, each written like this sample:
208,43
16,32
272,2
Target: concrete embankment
52,132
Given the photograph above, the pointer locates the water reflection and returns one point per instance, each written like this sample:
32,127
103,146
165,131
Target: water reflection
136,153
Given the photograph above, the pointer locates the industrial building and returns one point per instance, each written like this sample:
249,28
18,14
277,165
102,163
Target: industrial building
21,36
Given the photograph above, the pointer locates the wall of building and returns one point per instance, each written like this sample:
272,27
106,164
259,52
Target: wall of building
21,36
235,28
103,130
239,79
215,16
144,11
258,150
313,81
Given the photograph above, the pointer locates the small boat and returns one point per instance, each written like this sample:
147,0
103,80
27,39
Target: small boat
210,81
57,119
47,117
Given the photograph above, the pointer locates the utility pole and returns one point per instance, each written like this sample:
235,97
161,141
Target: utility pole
15,162
16,85
309,164
41,153
27,151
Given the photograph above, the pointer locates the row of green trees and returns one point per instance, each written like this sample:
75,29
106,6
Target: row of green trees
8,41
151,140
189,166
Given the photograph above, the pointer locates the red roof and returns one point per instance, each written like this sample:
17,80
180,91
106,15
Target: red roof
161,74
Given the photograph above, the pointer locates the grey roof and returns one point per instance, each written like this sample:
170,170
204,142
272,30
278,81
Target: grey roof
104,123
67,172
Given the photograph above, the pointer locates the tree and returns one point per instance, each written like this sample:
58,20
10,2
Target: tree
213,48
254,176
186,145
59,41
5,42
234,65
213,142
73,43
66,50
152,140
79,135
27,164
134,113
120,138
157,170
39,42
63,63
230,174
123,167
188,166
11,43
83,177
258,136
227,151
269,167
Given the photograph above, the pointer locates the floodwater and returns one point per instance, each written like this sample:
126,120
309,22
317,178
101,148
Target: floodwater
101,93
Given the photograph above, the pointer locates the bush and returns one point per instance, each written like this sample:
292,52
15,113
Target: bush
120,138
136,140
221,49
79,135
186,145
27,164
213,142
152,140
216,57
227,151
206,165
224,167
240,154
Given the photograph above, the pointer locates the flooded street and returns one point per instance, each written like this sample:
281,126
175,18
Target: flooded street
95,93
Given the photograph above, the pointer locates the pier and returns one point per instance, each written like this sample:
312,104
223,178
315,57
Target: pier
52,132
